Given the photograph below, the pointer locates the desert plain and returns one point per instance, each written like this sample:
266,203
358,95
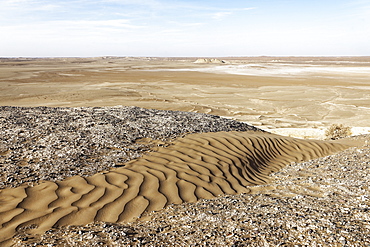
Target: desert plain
317,195
269,92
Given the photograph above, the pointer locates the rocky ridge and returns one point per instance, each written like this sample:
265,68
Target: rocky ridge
45,143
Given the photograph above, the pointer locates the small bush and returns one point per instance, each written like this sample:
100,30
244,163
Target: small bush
337,131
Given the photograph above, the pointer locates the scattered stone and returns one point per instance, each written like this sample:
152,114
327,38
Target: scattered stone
46,143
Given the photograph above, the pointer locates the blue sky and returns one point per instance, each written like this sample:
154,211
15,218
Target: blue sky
39,28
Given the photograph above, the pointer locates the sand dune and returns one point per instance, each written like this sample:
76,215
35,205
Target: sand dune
198,166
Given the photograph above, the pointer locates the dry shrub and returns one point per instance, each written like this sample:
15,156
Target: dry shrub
337,131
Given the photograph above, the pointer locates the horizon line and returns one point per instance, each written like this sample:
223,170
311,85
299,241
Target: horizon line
142,56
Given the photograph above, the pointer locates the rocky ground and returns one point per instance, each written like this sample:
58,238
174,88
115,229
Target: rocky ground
322,202
45,143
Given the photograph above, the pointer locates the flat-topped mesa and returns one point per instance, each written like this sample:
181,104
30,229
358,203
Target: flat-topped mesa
198,166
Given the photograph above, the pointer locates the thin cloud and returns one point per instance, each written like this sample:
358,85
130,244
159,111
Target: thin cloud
28,5
14,3
186,24
148,3
117,23
78,28
47,7
251,8
220,15
226,12
192,24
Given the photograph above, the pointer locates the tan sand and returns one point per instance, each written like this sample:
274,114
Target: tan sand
198,166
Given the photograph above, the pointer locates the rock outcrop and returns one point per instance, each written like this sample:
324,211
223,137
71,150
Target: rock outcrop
210,60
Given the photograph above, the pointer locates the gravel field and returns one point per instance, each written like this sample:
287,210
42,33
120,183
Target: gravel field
46,143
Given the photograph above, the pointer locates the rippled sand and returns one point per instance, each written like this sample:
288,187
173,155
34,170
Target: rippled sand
198,166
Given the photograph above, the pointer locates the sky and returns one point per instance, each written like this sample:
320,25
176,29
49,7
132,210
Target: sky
179,28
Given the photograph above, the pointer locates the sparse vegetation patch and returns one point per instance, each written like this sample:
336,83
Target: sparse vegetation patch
337,131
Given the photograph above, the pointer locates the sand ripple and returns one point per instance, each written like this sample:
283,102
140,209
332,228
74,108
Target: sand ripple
198,166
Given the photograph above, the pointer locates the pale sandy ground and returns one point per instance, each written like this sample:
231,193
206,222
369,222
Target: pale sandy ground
271,93
322,202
